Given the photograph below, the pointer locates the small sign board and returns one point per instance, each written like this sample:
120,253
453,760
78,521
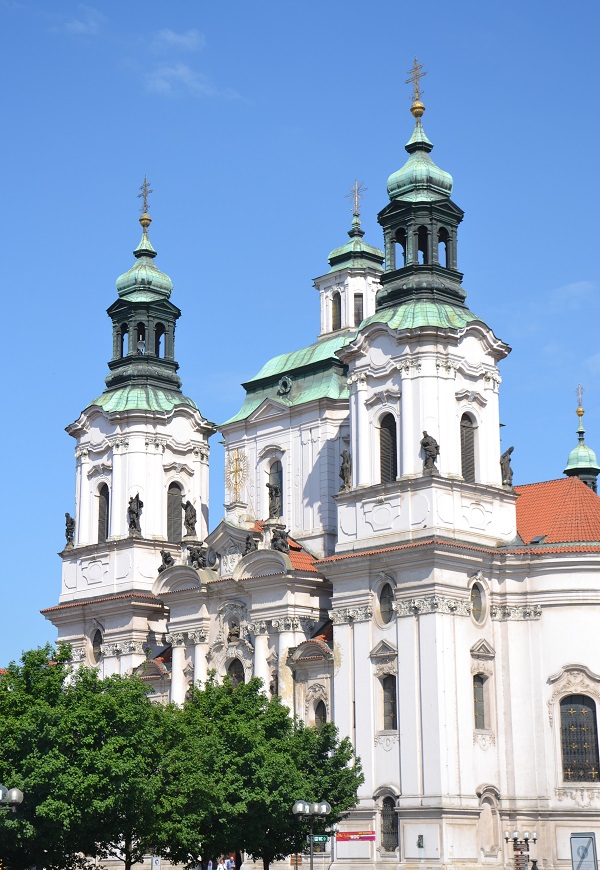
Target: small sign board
156,862
583,852
320,838
347,836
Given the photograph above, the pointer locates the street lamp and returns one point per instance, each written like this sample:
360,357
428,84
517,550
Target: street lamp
521,848
10,797
318,810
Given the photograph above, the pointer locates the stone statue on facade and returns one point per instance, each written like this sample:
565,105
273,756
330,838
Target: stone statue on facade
279,541
167,561
507,472
431,449
251,544
69,530
196,557
190,518
233,635
274,500
133,514
346,471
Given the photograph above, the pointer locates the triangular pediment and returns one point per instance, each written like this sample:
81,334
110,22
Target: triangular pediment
383,650
266,409
483,650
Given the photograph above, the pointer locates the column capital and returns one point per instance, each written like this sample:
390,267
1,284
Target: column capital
176,638
260,627
198,635
286,623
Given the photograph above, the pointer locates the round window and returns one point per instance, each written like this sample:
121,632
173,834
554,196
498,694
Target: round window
386,597
477,602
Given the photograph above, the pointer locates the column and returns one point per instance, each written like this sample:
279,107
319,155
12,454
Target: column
362,435
198,638
178,687
286,627
83,532
409,452
261,652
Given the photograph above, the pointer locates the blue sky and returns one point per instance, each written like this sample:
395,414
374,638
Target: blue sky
251,121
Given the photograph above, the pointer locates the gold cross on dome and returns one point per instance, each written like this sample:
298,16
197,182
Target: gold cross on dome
356,194
146,189
414,75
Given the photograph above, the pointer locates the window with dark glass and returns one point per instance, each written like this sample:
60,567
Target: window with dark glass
387,449
386,597
174,513
358,309
579,739
236,672
479,701
97,646
467,448
389,825
477,602
390,719
336,312
320,714
103,503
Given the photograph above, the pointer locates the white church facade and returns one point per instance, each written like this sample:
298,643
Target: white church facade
388,577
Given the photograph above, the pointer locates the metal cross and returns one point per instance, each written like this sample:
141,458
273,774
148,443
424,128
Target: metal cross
415,75
356,194
579,392
146,189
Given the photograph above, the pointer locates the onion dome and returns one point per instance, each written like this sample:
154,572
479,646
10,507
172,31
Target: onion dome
419,180
144,282
355,254
582,461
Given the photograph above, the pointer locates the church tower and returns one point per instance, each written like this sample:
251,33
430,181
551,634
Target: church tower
141,461
582,462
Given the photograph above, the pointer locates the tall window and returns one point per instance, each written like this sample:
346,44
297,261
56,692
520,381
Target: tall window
174,514
140,347
479,702
97,646
423,246
389,825
103,503
159,341
401,239
336,311
320,714
579,739
390,718
386,597
443,246
358,309
236,672
477,601
124,340
467,448
276,479
387,449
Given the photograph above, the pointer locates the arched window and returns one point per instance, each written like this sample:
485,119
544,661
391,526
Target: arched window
124,340
467,448
159,340
336,311
422,246
97,646
103,505
579,739
479,702
390,719
358,309
386,597
320,714
387,449
140,346
401,239
174,513
443,238
389,825
236,672
477,602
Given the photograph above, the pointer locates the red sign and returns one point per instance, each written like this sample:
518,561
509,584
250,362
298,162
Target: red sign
347,836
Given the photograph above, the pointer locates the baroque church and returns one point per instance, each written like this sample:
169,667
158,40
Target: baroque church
375,564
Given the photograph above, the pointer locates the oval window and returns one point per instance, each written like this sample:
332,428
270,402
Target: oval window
386,597
477,602
97,646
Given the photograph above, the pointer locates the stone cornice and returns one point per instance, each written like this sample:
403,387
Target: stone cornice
503,612
432,604
358,613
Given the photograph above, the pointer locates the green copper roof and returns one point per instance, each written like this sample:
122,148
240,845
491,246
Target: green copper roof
423,312
356,254
419,180
141,398
143,277
287,363
582,458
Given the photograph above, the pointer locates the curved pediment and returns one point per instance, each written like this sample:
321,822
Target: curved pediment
261,563
178,578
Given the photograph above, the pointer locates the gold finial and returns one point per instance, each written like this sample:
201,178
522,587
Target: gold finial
579,393
356,194
415,74
145,188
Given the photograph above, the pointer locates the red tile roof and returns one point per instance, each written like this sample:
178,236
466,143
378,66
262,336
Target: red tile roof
564,511
301,560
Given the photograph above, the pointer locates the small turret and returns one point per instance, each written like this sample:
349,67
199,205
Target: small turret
582,462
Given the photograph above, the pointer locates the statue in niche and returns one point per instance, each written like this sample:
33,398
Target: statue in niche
507,472
167,561
431,449
69,529
189,518
274,500
233,635
251,544
346,471
279,541
196,557
133,514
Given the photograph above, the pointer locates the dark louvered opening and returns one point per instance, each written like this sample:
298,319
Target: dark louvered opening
390,721
387,449
467,448
174,513
103,514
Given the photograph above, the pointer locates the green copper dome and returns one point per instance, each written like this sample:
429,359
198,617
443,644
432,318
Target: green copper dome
355,254
144,282
582,460
419,180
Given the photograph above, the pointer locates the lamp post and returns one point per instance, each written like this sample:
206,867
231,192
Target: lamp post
10,798
521,848
318,810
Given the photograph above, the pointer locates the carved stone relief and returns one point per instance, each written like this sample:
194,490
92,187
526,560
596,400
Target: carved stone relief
432,604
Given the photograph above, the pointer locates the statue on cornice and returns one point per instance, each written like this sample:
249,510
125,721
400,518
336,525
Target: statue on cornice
167,561
507,472
189,518
346,471
133,514
431,449
279,541
197,558
69,529
251,544
274,500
